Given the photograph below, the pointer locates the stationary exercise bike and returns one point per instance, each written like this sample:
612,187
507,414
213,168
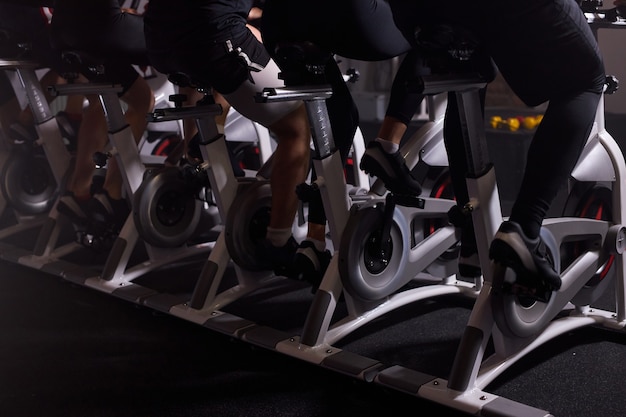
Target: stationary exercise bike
243,229
504,327
33,174
128,256
167,203
323,327
172,198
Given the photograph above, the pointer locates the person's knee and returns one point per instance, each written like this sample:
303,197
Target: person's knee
139,97
293,126
94,106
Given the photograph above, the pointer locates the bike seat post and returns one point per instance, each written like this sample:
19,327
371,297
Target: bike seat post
484,204
458,67
34,94
214,150
321,131
328,166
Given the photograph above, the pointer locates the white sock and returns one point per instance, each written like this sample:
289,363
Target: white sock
388,146
278,237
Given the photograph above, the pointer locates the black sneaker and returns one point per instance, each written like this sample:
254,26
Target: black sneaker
279,259
76,210
535,276
391,168
310,264
110,214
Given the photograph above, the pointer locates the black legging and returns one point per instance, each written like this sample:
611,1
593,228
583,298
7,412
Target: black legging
544,49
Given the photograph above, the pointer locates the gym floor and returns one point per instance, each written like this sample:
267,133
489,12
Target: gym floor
71,351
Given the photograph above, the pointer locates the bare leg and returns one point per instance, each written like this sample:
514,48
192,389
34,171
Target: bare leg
392,130
92,138
140,101
291,160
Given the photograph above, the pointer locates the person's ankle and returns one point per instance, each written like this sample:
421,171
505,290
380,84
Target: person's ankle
387,145
278,237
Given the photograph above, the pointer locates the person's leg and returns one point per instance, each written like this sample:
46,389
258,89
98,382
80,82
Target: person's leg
560,137
239,69
140,101
571,80
290,166
117,49
289,123
356,29
105,204
92,137
68,119
552,155
403,103
109,207
220,119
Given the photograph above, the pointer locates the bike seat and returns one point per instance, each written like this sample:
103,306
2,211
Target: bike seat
182,79
302,62
76,61
452,57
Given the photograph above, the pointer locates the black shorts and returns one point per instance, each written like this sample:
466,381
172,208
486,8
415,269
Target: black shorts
223,66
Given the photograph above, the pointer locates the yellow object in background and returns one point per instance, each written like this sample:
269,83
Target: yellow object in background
513,124
495,121
532,122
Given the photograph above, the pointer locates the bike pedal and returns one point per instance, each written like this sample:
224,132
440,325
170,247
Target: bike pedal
525,288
